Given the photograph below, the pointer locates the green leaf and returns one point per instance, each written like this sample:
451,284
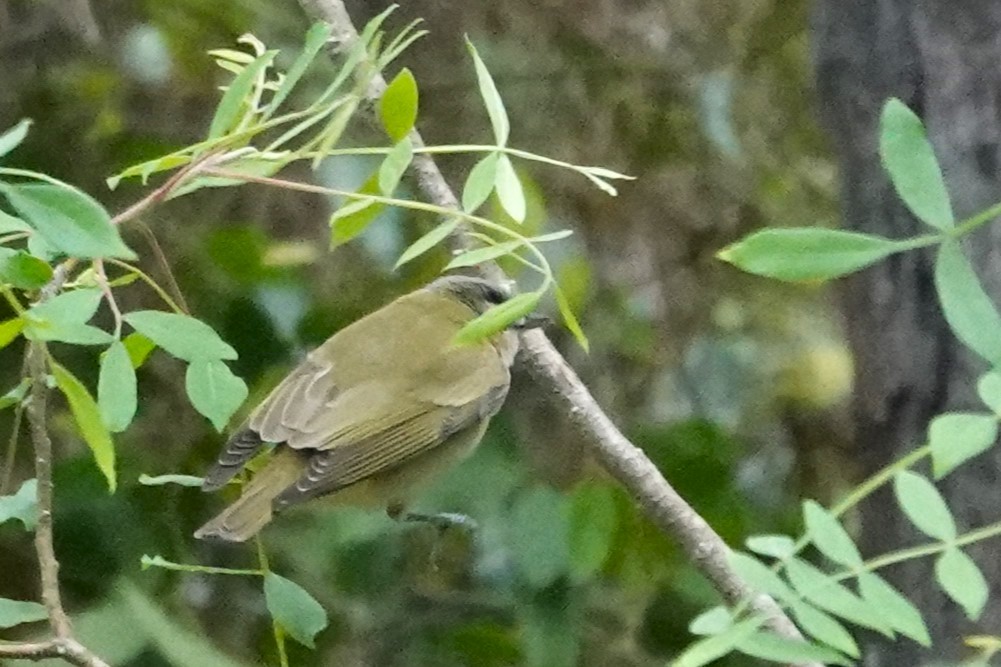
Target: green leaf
13,137
352,219
16,612
69,219
909,159
88,421
295,610
63,318
497,318
22,506
392,168
924,505
316,37
116,388
989,390
712,648
776,546
398,105
481,255
824,628
593,523
769,646
480,182
23,270
491,98
10,330
967,308
180,480
962,581
823,591
509,190
570,319
807,254
332,131
15,395
231,106
827,534
894,607
214,390
180,335
957,437
148,168
9,224
759,576
711,622
139,348
428,241
539,535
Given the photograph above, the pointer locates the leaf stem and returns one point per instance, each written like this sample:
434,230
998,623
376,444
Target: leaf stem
149,281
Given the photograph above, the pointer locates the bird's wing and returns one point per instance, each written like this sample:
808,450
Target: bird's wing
381,435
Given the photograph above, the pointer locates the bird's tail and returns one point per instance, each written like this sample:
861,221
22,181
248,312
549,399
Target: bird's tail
252,510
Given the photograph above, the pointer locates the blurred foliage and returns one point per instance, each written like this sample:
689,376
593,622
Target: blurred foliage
715,374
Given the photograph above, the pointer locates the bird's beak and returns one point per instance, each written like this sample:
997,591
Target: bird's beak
532,321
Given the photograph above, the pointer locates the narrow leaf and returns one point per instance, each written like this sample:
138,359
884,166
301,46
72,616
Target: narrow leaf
808,253
394,165
967,308
116,388
22,506
15,612
352,219
570,319
69,219
491,98
759,576
214,390
898,610
924,505
428,241
769,646
824,628
776,546
15,395
497,318
295,610
712,648
962,581
957,437
823,591
88,420
909,159
509,190
826,532
480,182
13,137
230,108
316,37
180,335
481,255
10,330
398,105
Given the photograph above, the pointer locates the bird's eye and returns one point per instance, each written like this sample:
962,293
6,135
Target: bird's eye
494,295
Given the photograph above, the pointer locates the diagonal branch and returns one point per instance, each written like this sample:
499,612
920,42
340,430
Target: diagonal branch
626,462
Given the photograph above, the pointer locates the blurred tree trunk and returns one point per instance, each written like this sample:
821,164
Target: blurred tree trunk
941,58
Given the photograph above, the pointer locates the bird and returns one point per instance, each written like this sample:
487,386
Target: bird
375,411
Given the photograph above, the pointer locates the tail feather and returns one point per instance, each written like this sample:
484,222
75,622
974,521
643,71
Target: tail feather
240,449
252,510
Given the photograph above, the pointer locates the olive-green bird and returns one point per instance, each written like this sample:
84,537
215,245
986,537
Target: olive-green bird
377,409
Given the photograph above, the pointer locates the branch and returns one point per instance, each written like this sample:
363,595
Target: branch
623,460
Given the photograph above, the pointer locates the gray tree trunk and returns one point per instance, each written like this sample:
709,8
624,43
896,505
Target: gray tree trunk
943,59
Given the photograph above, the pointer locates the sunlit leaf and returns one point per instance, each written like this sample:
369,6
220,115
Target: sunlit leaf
116,388
295,610
491,98
214,390
924,505
808,254
230,108
398,105
967,308
88,420
68,218
509,190
497,318
22,506
910,160
957,437
139,348
15,612
180,335
10,330
428,241
13,137
827,534
23,270
962,581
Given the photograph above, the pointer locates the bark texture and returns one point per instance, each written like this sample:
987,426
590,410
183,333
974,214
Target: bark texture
941,58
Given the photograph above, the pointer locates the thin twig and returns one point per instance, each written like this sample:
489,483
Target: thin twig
15,434
109,296
626,462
